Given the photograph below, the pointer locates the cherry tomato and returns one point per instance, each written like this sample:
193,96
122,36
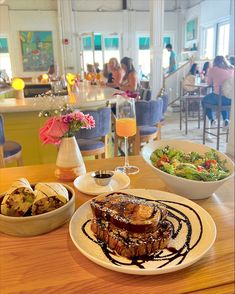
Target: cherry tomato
200,168
162,160
210,162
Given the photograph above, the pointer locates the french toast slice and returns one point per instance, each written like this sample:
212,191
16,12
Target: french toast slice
129,212
132,245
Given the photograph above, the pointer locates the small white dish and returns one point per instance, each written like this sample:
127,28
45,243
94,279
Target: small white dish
86,184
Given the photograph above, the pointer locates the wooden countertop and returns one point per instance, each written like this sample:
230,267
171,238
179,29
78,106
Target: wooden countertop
51,263
87,98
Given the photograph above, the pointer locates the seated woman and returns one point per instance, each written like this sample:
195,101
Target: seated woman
116,73
130,79
217,75
90,73
90,68
194,70
96,66
205,68
53,72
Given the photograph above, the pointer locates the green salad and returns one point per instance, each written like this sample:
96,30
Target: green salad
192,166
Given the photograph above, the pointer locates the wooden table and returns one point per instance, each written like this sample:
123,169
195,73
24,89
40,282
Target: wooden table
50,263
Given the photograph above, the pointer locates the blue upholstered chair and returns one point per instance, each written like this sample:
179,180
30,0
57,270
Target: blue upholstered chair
148,118
94,141
9,150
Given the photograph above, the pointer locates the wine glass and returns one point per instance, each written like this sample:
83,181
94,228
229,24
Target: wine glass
126,127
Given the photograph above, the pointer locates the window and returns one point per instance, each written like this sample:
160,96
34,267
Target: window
87,50
98,54
5,61
216,40
209,50
111,48
166,54
144,55
99,48
223,39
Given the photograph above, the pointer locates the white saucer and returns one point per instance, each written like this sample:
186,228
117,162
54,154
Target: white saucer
86,184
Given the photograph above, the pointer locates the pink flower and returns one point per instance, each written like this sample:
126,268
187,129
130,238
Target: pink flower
53,131
90,122
79,116
67,118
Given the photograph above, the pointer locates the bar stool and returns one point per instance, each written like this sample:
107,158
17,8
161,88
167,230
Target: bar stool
94,142
217,109
10,151
186,96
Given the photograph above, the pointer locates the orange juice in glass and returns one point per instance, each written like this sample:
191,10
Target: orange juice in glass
126,127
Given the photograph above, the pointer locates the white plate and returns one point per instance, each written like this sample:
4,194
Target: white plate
201,240
87,185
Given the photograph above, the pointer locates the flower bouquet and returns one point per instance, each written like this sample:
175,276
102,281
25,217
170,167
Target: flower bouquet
63,123
60,129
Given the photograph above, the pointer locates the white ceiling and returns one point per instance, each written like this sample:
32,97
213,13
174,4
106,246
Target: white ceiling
94,5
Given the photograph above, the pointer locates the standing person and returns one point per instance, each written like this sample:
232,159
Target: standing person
130,79
217,75
117,73
172,61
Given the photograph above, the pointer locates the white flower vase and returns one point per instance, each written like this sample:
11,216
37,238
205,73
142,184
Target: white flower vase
69,162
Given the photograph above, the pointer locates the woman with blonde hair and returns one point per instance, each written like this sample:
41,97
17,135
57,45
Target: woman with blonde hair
116,71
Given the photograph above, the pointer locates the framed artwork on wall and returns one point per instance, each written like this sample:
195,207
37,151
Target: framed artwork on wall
37,50
191,30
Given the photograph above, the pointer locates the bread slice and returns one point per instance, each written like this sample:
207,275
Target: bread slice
132,245
129,212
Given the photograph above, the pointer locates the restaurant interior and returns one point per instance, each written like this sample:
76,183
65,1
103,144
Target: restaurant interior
117,146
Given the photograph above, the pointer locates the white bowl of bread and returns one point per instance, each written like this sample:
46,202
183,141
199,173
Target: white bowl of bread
30,210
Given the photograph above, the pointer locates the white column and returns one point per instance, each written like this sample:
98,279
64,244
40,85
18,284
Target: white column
66,18
231,29
180,27
230,145
156,44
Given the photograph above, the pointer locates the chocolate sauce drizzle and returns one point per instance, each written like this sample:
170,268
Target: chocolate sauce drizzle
178,220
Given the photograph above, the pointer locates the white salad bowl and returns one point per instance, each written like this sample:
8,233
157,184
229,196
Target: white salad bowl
188,188
38,224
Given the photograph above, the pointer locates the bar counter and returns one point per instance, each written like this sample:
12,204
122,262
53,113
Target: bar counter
22,122
51,263
88,97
